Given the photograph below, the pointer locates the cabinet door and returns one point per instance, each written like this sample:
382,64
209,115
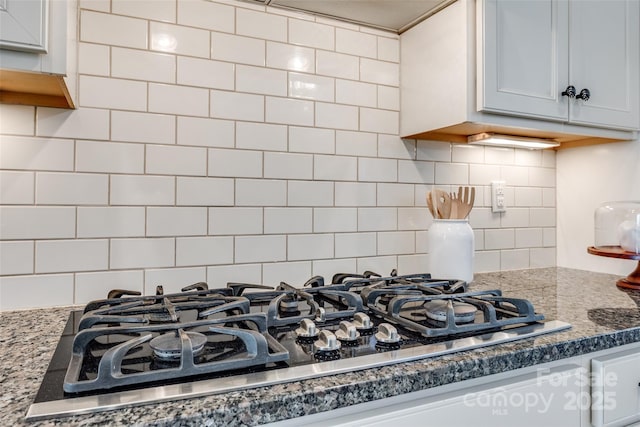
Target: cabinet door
524,66
23,25
616,389
604,58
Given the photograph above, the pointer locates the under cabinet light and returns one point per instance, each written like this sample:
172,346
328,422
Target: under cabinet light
511,141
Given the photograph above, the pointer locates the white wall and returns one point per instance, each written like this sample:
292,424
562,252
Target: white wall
587,177
222,141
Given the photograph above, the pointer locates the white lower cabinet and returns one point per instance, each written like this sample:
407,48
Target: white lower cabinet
616,389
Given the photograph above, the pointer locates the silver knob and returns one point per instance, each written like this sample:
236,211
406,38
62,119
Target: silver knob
362,322
307,329
321,315
387,334
326,341
347,332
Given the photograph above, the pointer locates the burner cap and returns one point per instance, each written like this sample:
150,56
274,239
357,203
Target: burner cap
168,346
462,312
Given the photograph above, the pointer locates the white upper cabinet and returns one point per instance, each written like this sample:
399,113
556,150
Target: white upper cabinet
542,58
502,66
23,25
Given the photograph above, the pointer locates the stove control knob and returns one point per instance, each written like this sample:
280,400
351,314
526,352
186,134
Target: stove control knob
327,341
321,315
387,334
307,329
347,332
362,322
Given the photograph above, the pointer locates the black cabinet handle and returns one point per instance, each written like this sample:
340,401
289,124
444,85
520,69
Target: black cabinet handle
570,91
584,95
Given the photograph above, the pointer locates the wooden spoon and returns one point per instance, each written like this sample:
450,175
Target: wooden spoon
465,201
443,204
430,203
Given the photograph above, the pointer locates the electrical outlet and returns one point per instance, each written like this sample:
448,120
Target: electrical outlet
497,196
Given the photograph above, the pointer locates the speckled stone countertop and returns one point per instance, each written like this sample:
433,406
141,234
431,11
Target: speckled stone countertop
602,316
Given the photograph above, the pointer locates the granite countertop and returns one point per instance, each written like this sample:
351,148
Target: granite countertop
602,316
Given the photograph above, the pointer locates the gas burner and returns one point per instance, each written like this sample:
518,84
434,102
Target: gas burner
169,345
462,312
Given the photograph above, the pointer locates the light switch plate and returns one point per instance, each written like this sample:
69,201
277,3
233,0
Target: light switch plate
497,196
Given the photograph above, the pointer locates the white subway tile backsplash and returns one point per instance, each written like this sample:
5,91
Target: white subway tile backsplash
548,158
235,163
528,196
288,220
205,132
261,136
142,127
377,219
542,217
395,194
549,197
113,157
289,111
172,280
542,177
549,237
416,171
514,259
464,153
260,248
356,93
16,257
290,57
335,220
336,116
236,106
142,190
528,237
111,221
206,14
261,192
17,119
356,43
171,99
17,188
99,28
37,222
499,239
388,49
352,143
413,263
389,98
219,276
176,221
499,155
355,194
396,147
101,92
310,193
308,86
93,59
396,242
84,123
542,257
205,191
327,267
380,72
96,285
382,121
142,65
483,218
261,25
204,251
515,175
486,261
233,221
288,165
337,65
384,264
311,140
452,173
157,10
238,49
355,245
377,170
309,246
433,150
205,73
413,219
292,273
71,189
53,256
261,80
311,34
36,153
44,290
98,5
483,174
335,168
178,39
528,157
174,160
142,253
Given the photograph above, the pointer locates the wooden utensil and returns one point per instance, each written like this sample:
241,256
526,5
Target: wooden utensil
432,206
462,203
443,204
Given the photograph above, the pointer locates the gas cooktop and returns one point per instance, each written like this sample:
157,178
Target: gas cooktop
130,349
